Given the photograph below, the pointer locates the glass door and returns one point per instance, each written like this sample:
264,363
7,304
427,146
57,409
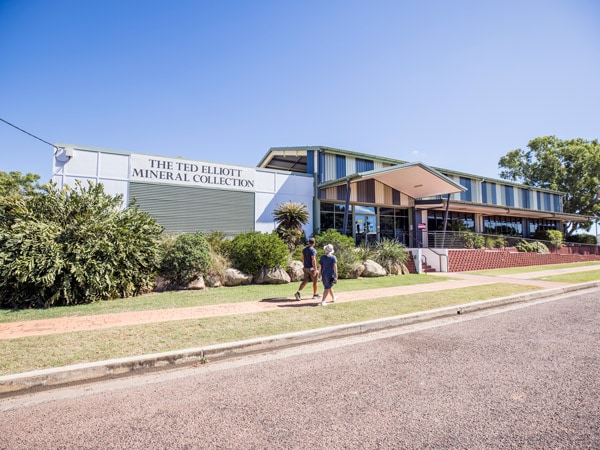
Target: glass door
365,224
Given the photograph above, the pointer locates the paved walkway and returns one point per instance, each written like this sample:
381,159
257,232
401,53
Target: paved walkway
459,280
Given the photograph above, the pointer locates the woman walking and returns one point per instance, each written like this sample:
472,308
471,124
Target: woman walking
329,273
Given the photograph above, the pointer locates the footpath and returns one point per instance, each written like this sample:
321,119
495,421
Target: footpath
103,369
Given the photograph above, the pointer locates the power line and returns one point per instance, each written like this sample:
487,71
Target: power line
26,132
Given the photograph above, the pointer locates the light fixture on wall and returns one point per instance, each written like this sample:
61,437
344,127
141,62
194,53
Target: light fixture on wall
64,154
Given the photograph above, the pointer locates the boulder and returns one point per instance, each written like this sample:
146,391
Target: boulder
196,284
234,277
213,280
355,271
272,276
372,269
295,271
160,284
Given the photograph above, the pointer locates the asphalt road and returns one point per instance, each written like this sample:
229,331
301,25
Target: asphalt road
524,376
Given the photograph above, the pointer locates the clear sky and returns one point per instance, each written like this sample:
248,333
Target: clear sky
454,84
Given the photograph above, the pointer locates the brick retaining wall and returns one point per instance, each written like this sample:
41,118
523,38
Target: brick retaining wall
465,260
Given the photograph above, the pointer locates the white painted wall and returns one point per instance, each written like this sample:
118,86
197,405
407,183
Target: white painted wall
113,168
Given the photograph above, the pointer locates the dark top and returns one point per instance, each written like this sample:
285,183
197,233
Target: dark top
327,270
308,253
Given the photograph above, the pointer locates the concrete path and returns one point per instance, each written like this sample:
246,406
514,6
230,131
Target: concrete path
460,280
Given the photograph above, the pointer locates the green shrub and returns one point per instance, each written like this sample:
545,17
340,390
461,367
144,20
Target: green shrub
472,240
252,251
344,247
219,243
364,251
75,246
554,238
532,247
186,257
586,239
390,252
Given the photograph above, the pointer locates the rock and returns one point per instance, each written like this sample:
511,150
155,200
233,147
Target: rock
213,280
196,284
295,271
272,276
355,271
160,284
234,277
372,269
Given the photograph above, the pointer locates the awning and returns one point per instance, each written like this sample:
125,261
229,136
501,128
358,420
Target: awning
502,210
416,180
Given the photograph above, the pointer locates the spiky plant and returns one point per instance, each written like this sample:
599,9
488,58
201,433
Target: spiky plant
290,217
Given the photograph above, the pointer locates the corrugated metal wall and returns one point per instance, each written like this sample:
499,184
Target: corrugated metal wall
188,209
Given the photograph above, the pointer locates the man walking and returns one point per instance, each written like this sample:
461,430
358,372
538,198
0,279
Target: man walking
309,262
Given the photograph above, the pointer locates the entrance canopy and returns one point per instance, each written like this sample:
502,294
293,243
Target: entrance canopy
416,180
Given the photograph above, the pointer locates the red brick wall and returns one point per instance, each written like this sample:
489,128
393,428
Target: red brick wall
464,260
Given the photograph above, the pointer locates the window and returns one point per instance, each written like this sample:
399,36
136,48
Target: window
332,216
503,225
456,221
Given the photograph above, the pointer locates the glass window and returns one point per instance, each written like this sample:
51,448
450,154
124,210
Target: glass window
503,225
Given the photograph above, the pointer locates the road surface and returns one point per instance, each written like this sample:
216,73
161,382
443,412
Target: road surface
524,376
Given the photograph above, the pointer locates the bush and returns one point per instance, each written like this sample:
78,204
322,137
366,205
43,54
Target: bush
364,251
495,242
472,240
252,251
186,257
344,247
219,243
586,239
75,246
390,252
531,247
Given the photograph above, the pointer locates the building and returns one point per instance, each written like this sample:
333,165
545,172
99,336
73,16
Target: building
365,196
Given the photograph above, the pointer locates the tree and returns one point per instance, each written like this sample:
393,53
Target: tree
570,166
13,187
13,183
290,217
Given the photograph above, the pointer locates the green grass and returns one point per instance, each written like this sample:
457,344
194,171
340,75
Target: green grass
513,270
31,353
575,278
212,296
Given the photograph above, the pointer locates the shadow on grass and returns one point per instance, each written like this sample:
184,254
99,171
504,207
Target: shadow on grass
288,303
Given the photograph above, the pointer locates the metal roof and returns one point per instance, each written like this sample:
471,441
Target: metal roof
416,180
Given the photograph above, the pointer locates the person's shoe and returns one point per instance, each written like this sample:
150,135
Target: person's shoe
316,296
323,303
297,295
334,300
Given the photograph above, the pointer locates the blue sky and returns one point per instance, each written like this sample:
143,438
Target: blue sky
454,84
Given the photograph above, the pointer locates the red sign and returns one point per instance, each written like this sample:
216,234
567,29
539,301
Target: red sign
422,226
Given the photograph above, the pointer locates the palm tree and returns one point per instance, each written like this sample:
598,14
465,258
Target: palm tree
290,217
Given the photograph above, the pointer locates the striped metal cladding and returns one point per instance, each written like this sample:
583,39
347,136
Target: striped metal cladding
187,209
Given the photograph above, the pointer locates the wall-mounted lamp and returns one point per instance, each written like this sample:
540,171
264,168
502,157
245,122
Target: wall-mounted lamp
64,154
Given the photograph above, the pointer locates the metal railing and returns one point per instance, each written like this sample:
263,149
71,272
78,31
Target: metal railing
472,240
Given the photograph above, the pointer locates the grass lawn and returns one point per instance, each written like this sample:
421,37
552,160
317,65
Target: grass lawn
31,353
211,296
